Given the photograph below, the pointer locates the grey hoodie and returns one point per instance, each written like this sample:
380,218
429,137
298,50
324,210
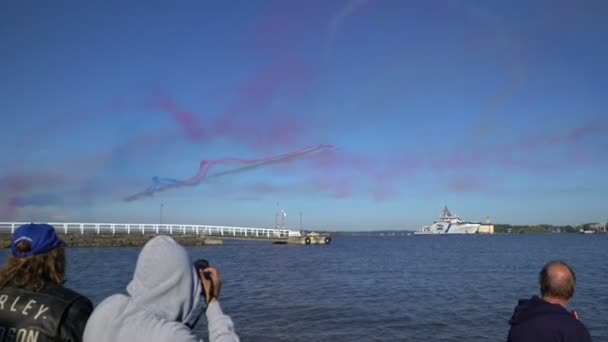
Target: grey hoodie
163,297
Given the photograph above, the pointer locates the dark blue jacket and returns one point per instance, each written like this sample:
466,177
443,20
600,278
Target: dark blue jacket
535,320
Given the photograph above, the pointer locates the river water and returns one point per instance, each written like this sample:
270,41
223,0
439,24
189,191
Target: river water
391,288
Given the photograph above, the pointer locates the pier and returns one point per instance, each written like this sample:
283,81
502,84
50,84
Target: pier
80,234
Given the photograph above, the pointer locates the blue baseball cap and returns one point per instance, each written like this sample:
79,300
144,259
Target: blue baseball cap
41,236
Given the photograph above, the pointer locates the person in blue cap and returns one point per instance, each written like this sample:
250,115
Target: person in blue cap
34,304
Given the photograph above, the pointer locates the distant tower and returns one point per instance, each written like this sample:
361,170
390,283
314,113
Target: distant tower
488,220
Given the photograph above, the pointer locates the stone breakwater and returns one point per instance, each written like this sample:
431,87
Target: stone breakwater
120,240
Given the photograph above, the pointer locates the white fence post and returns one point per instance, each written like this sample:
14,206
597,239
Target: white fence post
205,230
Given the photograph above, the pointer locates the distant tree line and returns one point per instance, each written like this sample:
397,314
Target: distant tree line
539,228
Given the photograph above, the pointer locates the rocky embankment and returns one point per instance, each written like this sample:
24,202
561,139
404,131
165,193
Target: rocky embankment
119,240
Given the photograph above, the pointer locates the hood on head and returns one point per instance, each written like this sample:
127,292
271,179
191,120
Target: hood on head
165,281
533,307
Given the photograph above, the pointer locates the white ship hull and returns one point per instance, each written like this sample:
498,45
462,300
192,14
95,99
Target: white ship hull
458,228
449,224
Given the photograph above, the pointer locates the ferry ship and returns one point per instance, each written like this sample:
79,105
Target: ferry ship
449,224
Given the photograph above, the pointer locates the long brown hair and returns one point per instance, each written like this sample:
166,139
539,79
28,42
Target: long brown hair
33,272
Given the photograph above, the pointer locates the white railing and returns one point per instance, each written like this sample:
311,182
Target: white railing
171,229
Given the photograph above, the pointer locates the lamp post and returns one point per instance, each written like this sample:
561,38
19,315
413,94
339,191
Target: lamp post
161,212
276,217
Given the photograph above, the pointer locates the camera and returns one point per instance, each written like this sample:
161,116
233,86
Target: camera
200,265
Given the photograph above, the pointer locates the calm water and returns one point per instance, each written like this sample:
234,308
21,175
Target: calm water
401,288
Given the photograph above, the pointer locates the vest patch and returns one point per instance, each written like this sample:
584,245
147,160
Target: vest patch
27,316
18,335
23,306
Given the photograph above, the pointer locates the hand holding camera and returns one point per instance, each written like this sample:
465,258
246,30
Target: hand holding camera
210,280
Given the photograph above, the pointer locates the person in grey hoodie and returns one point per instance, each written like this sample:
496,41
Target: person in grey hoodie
163,301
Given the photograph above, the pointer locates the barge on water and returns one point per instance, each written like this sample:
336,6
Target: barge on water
310,238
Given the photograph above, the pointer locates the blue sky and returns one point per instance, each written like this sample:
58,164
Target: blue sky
493,108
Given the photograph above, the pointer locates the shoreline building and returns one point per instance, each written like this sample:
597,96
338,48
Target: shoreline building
487,227
599,227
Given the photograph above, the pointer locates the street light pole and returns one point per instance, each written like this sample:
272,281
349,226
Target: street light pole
161,212
276,217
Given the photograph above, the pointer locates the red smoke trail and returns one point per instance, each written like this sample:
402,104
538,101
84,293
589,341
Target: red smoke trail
260,131
187,120
573,135
515,65
205,165
338,188
13,186
83,170
465,185
251,119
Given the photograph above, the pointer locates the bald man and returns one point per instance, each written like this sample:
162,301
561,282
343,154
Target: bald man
547,318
